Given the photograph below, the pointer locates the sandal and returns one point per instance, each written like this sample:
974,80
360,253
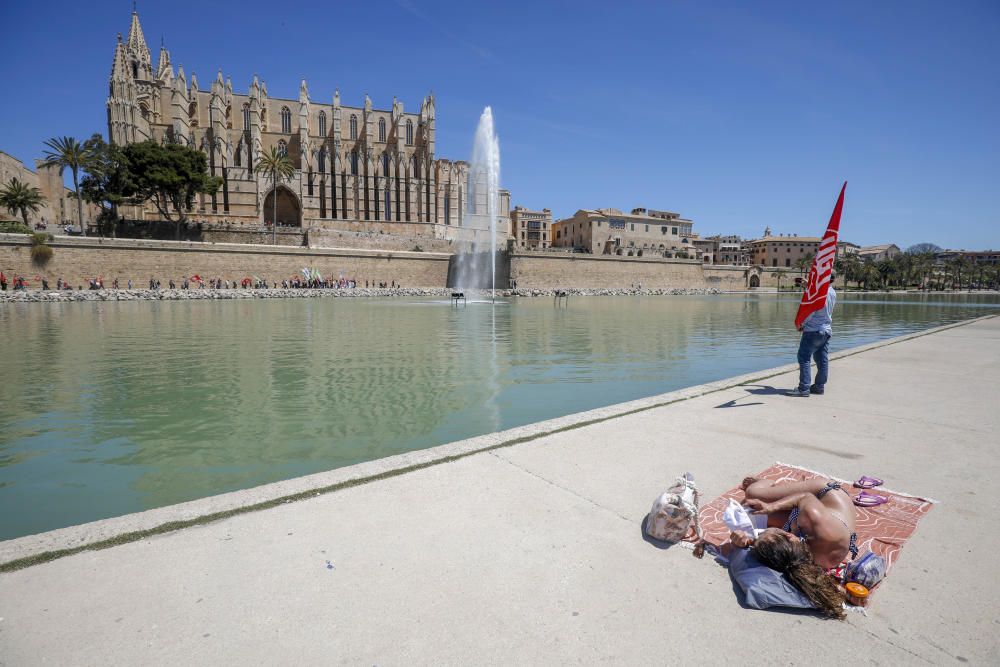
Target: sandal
867,482
865,499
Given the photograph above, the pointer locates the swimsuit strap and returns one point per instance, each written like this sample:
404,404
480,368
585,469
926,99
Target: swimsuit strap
791,519
830,486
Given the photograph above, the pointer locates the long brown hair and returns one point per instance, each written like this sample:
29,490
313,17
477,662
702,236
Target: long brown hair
795,560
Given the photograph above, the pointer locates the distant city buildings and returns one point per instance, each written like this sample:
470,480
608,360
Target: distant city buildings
977,257
643,232
730,250
781,251
877,253
531,229
845,248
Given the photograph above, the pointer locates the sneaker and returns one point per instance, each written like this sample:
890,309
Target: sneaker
803,393
816,390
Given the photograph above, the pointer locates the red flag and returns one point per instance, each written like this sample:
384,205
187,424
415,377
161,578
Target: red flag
814,296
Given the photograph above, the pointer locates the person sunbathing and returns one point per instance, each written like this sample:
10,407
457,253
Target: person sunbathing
815,539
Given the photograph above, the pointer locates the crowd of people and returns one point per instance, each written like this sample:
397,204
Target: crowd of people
197,282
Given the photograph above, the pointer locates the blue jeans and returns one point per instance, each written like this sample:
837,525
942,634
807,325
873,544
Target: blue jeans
814,345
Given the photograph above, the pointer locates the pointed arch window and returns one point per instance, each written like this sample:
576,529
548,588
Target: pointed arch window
354,128
246,116
385,164
381,129
322,162
282,148
238,157
286,120
322,123
354,162
409,132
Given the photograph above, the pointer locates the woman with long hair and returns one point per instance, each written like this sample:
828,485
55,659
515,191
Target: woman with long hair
816,537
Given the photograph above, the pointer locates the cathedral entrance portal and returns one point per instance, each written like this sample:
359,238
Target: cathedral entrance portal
288,211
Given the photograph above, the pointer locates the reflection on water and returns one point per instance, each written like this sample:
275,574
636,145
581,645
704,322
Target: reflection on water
109,408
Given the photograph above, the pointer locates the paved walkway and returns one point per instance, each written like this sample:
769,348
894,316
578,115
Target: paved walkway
533,553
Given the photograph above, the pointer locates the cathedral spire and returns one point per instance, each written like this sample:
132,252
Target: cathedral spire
164,66
136,40
119,65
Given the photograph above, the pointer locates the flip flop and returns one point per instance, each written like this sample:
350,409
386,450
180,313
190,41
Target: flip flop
867,482
865,499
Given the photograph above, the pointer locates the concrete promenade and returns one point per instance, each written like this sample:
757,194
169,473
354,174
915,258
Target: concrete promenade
532,553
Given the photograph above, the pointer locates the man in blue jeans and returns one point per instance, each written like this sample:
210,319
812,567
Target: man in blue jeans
815,344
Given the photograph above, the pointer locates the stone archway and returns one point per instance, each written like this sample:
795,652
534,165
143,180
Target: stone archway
288,210
754,281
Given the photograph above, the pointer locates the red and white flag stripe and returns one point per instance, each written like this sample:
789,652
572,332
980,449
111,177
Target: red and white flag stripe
814,295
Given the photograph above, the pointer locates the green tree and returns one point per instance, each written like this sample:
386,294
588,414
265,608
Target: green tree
775,273
923,266
108,182
959,266
279,167
849,266
68,153
869,275
922,249
19,197
169,176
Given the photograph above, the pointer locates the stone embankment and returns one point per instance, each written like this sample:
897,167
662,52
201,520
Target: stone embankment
35,296
612,292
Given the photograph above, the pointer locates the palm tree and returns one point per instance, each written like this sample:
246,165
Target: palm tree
19,197
67,152
848,266
803,263
279,166
777,274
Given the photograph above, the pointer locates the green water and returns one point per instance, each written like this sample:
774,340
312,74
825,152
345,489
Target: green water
110,408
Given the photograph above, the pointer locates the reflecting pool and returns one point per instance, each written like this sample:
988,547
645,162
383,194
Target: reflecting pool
110,408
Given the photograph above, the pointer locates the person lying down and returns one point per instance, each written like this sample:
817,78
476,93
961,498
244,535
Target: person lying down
811,535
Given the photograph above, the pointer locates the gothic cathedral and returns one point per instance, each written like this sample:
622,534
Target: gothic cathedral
355,167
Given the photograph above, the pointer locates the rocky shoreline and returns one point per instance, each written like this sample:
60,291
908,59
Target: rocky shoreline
65,296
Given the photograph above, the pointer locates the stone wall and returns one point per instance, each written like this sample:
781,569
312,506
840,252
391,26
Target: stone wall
77,260
258,236
540,270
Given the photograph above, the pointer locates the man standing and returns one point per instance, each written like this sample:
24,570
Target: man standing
815,344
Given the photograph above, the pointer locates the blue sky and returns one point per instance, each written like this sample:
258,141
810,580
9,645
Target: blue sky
737,115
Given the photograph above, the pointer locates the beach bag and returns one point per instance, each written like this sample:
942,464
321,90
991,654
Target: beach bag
867,571
674,512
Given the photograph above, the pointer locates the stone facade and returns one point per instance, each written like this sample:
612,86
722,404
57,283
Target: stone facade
781,251
728,250
60,202
551,270
531,229
78,260
877,253
643,232
351,162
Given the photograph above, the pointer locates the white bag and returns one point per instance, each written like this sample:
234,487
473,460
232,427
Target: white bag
674,511
739,520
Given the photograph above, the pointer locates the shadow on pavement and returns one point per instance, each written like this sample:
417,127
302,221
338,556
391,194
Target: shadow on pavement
759,390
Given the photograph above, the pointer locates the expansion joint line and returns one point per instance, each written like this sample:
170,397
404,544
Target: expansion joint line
561,487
